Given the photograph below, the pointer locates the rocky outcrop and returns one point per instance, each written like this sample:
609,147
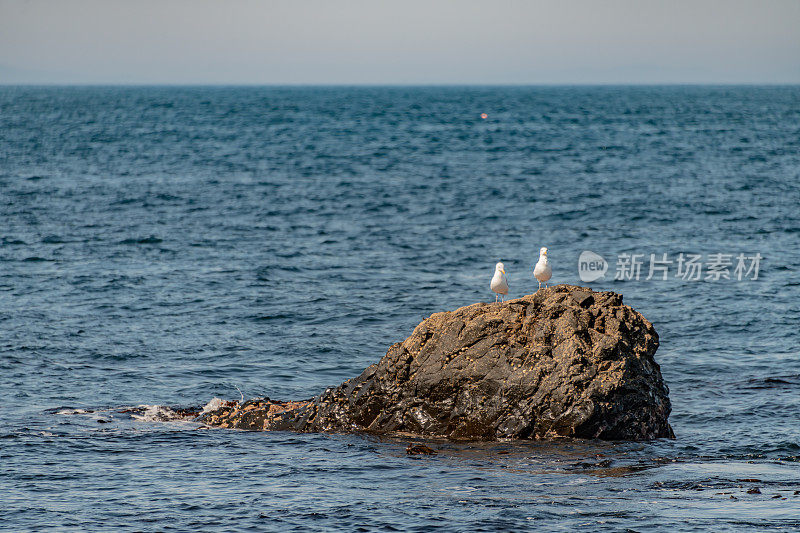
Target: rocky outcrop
564,362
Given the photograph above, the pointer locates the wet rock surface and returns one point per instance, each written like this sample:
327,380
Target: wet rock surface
564,362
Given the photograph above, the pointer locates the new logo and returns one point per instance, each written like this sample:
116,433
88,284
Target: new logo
591,266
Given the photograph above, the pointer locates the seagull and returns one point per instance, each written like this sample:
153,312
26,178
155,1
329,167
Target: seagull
542,270
499,282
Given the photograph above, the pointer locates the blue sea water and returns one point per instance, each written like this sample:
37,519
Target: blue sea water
163,246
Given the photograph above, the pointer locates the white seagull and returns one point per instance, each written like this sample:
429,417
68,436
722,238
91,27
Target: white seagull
499,282
542,270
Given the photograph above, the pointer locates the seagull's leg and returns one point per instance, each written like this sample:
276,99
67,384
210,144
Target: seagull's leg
495,297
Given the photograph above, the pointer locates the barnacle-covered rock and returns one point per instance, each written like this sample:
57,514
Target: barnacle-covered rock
564,362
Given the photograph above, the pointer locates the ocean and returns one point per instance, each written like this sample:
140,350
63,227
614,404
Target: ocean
164,246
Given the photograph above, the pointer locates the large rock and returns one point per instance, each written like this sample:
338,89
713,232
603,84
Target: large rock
564,362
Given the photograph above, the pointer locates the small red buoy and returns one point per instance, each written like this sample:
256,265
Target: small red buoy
484,116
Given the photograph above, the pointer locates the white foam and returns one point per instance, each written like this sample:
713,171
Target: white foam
213,405
156,413
72,412
162,413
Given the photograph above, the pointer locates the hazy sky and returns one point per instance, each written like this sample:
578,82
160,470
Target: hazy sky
402,41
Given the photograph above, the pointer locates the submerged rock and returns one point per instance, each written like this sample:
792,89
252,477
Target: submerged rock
564,362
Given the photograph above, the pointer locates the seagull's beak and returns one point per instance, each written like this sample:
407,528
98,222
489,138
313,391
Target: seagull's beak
503,271
545,252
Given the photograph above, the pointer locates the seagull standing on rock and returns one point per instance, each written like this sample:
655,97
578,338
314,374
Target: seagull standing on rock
499,282
542,270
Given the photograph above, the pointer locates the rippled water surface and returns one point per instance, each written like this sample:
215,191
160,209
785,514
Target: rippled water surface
164,246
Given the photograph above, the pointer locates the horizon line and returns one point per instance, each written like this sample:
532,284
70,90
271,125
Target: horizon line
401,84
